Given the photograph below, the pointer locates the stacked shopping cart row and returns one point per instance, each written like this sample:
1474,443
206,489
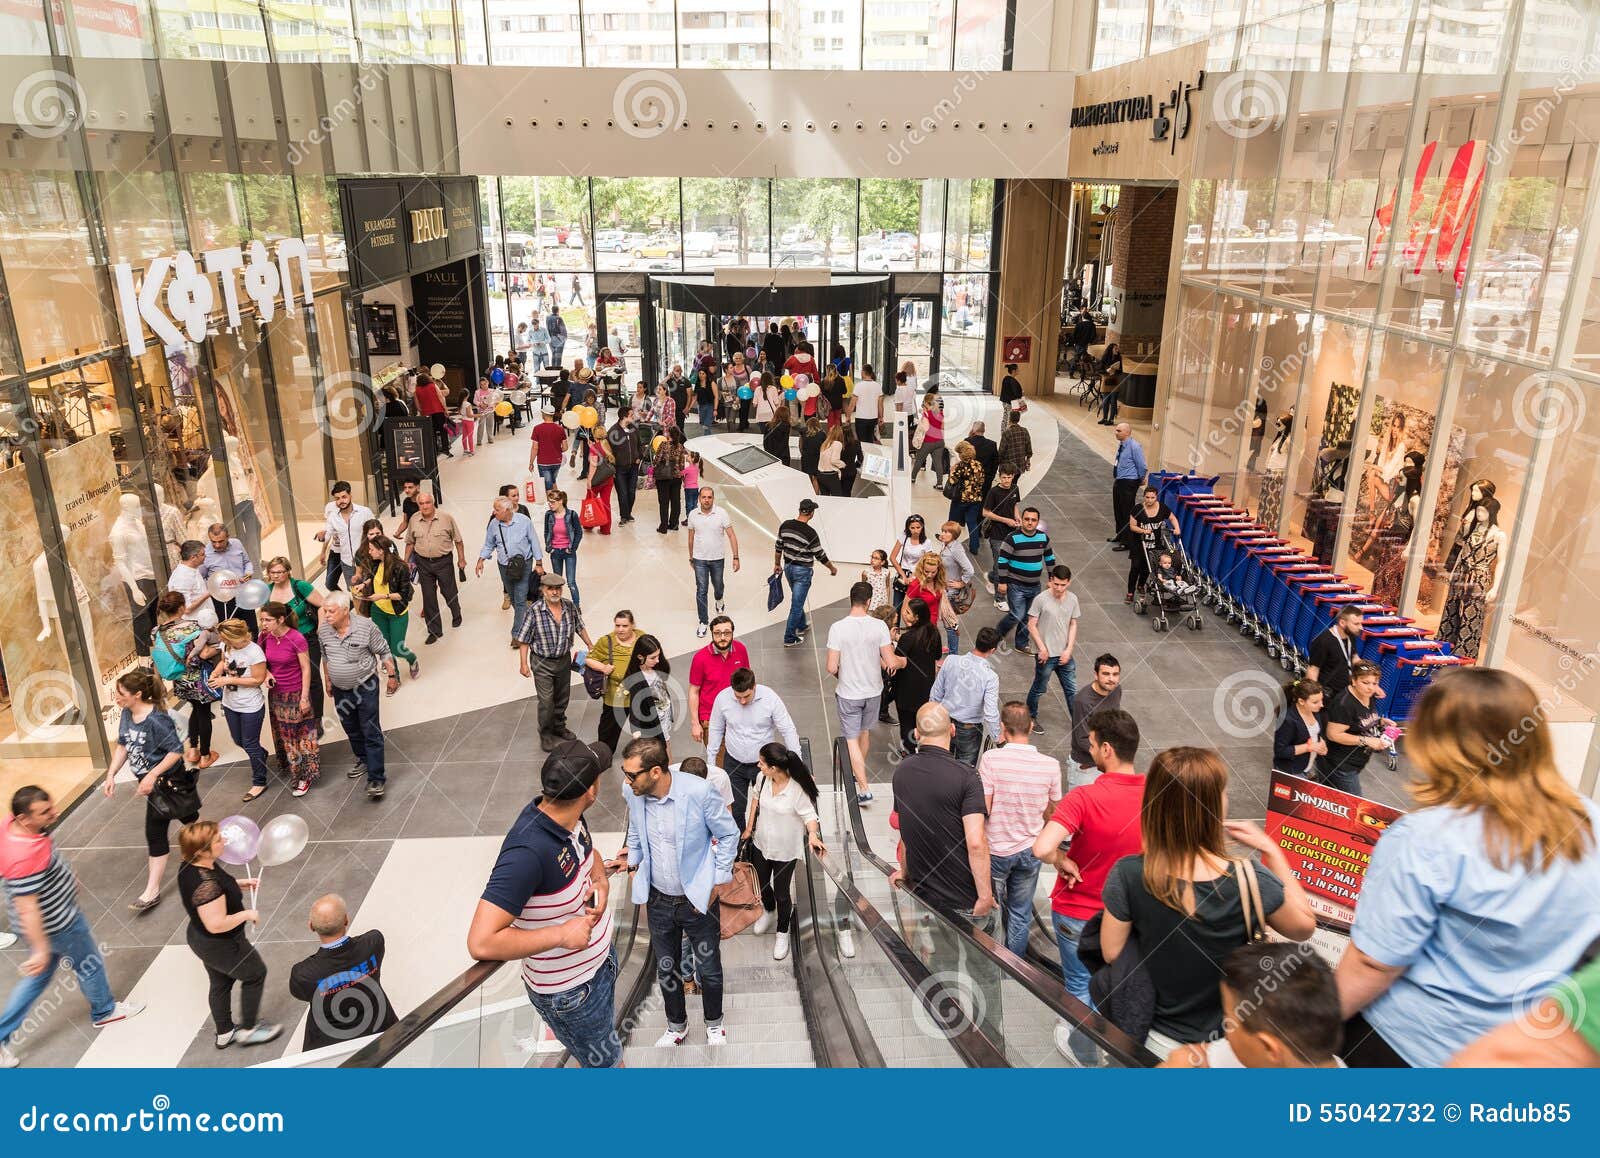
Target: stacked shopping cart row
1284,598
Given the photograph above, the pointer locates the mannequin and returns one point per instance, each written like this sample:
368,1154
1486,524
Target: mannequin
130,551
50,614
204,514
246,522
1385,463
1474,576
172,528
1385,549
1270,507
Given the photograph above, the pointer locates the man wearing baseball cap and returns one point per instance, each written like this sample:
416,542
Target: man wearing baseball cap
797,550
544,643
549,444
546,904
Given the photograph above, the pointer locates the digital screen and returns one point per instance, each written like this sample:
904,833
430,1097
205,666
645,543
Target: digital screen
747,459
875,467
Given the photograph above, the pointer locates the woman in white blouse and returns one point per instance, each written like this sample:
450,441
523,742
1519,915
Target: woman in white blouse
781,821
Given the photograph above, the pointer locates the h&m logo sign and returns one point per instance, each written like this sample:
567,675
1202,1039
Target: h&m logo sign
428,225
182,306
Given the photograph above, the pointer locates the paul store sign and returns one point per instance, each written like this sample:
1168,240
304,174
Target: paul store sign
178,307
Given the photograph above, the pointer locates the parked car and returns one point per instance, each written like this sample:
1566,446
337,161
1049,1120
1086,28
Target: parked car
616,240
657,245
700,243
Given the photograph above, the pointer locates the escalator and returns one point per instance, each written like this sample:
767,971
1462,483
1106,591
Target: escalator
874,978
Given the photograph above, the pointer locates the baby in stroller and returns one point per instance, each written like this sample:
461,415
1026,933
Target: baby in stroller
1176,589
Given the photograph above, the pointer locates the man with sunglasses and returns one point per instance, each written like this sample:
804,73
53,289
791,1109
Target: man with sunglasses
710,671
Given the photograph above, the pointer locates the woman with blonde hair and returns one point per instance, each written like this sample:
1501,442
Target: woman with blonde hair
1188,902
1481,897
241,674
830,463
148,746
965,488
214,901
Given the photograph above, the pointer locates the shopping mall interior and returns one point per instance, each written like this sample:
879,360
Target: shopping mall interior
1343,254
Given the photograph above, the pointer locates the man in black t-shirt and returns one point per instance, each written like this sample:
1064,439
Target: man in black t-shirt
340,980
1354,731
1332,652
944,853
1000,515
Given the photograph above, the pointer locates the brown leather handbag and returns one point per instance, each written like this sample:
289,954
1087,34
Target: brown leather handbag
739,900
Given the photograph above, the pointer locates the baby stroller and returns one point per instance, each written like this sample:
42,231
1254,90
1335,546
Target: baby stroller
1172,590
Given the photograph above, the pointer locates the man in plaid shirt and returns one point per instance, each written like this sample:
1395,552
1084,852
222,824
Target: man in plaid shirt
547,632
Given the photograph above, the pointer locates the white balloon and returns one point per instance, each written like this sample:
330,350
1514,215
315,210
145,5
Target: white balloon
252,593
223,584
282,839
436,371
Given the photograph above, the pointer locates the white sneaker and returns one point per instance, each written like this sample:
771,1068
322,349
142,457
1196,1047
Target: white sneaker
259,1034
763,923
780,949
716,1035
721,607
1064,1041
672,1037
7,940
121,1011
224,1040
700,632
847,942
8,1060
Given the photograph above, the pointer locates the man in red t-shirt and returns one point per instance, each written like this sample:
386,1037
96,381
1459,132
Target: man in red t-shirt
549,444
710,672
1101,820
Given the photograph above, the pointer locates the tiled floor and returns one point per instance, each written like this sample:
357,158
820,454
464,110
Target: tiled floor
457,782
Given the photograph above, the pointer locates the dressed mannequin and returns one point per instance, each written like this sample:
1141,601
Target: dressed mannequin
1474,577
50,614
130,551
1385,464
246,522
1271,504
1385,550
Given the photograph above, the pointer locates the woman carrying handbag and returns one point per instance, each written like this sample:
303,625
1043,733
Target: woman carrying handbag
783,820
148,745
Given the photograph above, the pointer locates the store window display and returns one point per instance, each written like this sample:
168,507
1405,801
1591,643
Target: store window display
130,554
1474,567
1385,548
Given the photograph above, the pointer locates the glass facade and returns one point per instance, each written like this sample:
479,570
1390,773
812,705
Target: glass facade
1386,343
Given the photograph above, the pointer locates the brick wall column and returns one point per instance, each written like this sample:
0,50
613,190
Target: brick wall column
1033,251
1141,255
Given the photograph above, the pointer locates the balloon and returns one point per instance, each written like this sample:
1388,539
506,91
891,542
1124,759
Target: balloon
786,381
252,593
570,420
749,353
658,442
240,839
745,393
223,584
497,375
503,409
590,417
436,371
282,839
790,394
802,379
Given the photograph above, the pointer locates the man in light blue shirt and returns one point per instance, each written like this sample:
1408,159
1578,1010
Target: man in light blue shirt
969,688
510,537
681,844
227,554
1127,476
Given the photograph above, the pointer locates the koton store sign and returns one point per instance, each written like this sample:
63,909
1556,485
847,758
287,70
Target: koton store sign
176,297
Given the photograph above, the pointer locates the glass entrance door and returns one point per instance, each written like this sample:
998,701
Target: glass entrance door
917,325
622,325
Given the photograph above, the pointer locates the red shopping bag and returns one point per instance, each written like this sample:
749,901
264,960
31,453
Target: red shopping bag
590,514
529,490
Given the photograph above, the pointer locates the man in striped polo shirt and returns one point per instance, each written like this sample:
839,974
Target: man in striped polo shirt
353,653
1021,786
546,904
796,550
1020,561
44,907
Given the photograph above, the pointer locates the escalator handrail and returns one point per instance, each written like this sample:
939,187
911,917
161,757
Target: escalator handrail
1043,986
969,1042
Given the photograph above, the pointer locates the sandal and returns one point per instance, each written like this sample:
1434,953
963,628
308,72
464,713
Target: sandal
253,794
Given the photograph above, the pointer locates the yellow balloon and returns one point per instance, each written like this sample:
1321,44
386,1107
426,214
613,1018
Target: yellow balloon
658,442
786,381
589,416
503,409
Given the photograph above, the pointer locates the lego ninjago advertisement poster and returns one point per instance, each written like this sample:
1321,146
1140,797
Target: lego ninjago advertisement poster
1328,837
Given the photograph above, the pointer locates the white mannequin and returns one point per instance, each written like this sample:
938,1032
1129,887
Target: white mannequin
45,598
204,514
130,548
236,470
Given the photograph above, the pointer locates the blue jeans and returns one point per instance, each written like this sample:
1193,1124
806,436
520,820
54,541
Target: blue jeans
564,562
1340,779
707,573
77,945
358,713
706,413
1019,597
968,742
556,349
1015,877
518,591
337,568
799,576
245,730
1075,976
1066,674
670,918
968,515
547,475
583,1018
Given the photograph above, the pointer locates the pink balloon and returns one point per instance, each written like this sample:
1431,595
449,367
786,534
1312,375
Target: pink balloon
802,379
241,837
